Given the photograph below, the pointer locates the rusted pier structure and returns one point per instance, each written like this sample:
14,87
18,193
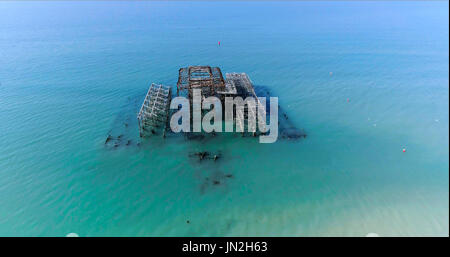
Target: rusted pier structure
154,111
208,79
241,84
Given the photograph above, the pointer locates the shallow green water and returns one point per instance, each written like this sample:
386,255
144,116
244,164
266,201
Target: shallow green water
70,73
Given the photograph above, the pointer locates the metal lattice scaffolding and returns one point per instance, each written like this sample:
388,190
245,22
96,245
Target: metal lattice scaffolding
208,79
244,88
154,111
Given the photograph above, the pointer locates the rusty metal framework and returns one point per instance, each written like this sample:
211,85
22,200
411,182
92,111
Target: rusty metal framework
208,79
243,87
154,111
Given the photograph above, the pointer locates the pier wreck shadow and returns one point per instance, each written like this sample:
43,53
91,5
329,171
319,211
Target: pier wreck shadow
124,129
286,127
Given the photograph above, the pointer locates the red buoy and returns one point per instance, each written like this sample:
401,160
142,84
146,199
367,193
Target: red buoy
404,150
219,43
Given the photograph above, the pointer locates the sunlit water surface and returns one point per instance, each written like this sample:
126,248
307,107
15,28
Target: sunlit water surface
363,79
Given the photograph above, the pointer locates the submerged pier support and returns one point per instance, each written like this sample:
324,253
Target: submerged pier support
253,110
154,111
249,113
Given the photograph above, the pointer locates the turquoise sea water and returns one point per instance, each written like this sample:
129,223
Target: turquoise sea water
72,72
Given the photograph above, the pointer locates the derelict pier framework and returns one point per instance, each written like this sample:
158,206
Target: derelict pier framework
154,111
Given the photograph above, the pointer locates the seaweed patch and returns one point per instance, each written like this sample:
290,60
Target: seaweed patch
205,155
214,180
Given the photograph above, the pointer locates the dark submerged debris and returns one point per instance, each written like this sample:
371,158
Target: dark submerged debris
216,179
292,133
120,133
286,127
201,155
204,155
108,139
114,142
